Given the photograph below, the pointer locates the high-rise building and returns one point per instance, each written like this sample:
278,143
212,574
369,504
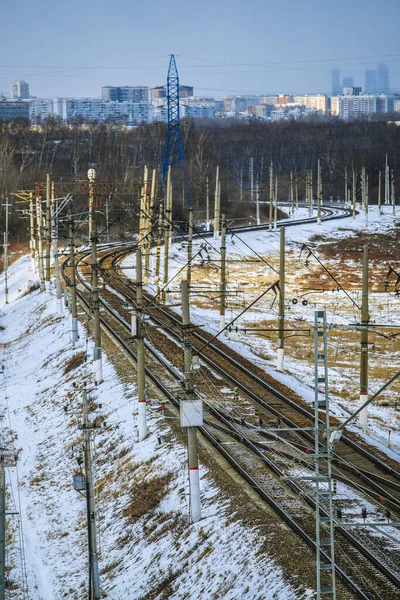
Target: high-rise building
336,82
348,81
382,79
370,81
159,92
139,93
19,90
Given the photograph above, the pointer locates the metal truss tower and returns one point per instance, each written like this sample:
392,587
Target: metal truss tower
173,154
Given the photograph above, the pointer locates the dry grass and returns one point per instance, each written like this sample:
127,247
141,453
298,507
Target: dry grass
31,288
145,496
74,362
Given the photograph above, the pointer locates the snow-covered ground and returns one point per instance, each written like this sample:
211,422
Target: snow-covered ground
148,549
248,277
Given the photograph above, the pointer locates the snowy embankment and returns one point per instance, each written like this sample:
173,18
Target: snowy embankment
148,550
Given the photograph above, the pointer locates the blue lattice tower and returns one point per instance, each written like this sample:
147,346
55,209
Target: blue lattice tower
173,155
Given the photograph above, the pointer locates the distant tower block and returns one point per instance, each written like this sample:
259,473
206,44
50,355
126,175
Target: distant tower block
336,82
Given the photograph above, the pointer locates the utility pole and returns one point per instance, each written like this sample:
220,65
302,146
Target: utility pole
380,191
319,192
2,529
190,247
251,166
258,201
291,193
191,409
345,187
271,195
276,203
48,235
97,354
325,548
387,182
91,176
366,200
207,206
88,426
167,231
74,310
32,234
392,188
364,339
108,199
216,205
54,239
158,249
281,315
354,194
5,249
222,287
149,228
142,424
6,460
39,224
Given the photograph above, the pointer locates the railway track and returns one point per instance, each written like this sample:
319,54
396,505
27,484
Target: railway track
219,427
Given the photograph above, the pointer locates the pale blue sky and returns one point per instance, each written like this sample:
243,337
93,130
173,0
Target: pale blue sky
225,46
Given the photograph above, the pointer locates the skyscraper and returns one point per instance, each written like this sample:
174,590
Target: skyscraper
348,81
139,93
19,90
335,82
382,78
370,81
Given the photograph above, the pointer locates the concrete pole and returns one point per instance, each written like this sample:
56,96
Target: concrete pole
364,339
354,194
291,192
107,219
296,191
345,188
5,249
311,194
39,223
167,231
281,315
47,234
216,206
142,423
32,234
91,176
387,182
271,195
54,240
2,531
158,249
276,203
380,191
190,247
149,228
251,168
207,206
319,192
393,194
194,478
97,353
222,287
258,201
74,310
90,503
366,200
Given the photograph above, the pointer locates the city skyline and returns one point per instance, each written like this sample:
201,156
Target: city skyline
220,49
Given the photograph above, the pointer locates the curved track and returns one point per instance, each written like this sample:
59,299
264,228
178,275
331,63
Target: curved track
218,425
